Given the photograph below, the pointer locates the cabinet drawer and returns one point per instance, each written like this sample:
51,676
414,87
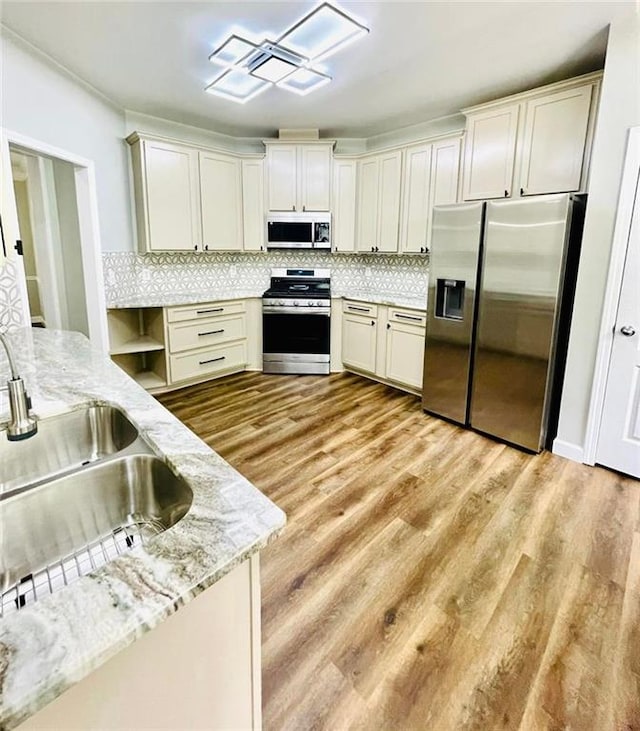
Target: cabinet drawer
208,361
360,308
189,335
408,317
205,309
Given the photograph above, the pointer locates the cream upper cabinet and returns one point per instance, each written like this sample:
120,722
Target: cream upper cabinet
344,205
253,204
490,151
431,176
166,188
416,194
531,143
299,176
554,141
379,202
221,202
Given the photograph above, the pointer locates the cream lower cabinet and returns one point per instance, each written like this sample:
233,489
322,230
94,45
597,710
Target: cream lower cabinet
206,340
359,335
198,669
405,347
386,343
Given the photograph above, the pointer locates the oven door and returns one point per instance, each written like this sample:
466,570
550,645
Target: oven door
295,342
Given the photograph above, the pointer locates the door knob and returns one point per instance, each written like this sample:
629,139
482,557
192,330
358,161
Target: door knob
628,330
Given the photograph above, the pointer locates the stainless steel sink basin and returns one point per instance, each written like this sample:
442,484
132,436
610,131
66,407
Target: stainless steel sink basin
64,442
69,526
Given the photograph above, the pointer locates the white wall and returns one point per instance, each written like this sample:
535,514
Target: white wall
619,110
42,101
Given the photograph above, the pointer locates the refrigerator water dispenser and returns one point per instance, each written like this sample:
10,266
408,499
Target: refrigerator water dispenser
450,299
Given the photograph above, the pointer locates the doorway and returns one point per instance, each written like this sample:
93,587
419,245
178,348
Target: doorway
53,217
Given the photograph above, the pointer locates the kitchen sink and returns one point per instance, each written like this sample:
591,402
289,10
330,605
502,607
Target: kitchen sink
64,442
69,526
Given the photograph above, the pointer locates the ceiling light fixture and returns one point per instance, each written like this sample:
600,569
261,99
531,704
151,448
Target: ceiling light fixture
286,63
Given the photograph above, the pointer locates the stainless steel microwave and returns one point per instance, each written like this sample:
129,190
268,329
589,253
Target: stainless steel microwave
299,231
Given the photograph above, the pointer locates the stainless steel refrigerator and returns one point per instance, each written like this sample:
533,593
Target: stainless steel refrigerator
501,285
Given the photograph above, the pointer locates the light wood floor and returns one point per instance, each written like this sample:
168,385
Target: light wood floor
428,578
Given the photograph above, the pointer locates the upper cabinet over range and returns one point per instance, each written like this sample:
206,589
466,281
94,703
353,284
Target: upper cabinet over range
531,143
299,175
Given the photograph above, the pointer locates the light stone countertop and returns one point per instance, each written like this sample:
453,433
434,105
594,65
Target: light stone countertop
390,299
52,644
172,299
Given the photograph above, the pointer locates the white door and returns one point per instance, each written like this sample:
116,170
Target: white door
315,177
282,177
253,205
405,354
172,181
389,201
445,176
619,438
221,202
490,150
416,193
343,232
359,342
367,232
554,141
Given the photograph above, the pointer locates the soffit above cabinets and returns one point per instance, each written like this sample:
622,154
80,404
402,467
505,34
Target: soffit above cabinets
420,61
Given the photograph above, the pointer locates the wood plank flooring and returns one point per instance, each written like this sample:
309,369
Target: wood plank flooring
429,577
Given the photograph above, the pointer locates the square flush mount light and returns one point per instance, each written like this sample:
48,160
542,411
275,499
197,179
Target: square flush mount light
287,62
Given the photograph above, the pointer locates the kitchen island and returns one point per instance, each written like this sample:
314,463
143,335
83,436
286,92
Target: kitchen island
92,627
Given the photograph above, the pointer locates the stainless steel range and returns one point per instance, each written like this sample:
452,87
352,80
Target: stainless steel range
296,322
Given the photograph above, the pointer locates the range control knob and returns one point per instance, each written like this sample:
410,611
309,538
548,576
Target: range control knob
295,303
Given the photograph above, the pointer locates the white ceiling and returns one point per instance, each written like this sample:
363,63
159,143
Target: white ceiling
421,60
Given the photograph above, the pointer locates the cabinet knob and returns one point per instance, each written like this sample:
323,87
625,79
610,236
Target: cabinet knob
206,247
373,322
377,249
506,194
388,326
293,208
521,191
422,249
196,247
304,208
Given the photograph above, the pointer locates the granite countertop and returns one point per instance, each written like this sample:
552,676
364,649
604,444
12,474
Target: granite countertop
171,299
390,299
52,644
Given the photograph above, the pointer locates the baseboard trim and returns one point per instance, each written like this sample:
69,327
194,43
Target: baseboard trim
568,450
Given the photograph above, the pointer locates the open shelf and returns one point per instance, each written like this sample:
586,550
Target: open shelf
137,345
141,344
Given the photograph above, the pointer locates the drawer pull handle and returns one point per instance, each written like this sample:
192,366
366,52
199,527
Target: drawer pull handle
358,309
212,360
211,332
206,312
408,317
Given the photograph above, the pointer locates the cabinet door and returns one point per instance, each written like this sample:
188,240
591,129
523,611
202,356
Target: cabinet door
445,177
416,193
221,200
282,182
490,147
389,201
171,176
405,354
554,140
367,232
315,177
359,342
253,204
344,205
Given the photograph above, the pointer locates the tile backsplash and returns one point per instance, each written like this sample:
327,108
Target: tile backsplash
130,275
11,312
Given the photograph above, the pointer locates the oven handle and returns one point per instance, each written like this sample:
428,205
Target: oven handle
268,310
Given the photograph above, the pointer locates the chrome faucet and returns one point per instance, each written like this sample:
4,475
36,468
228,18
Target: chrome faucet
22,423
